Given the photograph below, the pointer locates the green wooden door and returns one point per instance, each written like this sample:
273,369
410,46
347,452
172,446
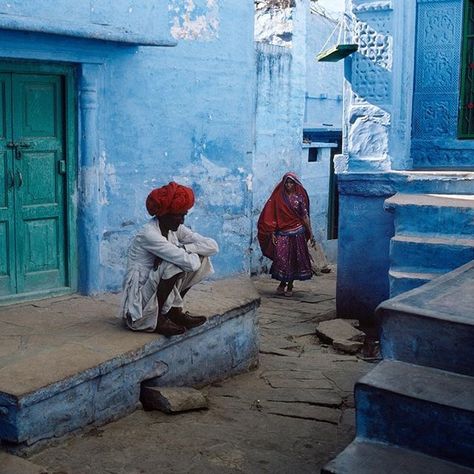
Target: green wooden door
33,234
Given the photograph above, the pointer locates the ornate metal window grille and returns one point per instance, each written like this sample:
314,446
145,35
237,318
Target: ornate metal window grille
466,112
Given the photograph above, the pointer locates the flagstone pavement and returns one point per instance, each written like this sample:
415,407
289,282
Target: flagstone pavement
290,415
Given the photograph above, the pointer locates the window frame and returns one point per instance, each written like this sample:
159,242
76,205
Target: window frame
465,94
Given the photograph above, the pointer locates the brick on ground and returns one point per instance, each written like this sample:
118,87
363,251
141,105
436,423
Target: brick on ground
338,329
172,399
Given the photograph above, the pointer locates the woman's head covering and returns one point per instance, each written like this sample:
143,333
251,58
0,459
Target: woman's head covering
292,176
277,214
173,198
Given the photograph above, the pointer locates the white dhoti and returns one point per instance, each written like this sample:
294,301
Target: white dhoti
140,302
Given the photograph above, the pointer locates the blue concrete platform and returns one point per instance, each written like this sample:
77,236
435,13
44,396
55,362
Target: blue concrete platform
432,325
66,363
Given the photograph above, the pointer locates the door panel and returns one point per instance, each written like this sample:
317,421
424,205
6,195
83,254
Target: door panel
7,209
37,130
33,235
38,103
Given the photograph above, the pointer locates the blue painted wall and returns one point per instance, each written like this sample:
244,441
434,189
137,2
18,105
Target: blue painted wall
148,115
323,79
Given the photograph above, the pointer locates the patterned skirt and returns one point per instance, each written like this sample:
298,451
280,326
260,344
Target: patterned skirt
291,257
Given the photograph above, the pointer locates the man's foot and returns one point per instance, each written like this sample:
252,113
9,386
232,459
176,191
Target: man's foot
179,317
168,328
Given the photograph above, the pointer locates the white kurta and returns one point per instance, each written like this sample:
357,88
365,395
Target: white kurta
183,251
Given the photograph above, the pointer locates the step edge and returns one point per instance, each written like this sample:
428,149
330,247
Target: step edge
377,446
369,380
430,200
409,275
428,240
410,311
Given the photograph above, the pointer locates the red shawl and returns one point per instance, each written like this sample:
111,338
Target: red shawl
277,214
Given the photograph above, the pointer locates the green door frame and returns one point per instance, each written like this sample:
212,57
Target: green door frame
67,71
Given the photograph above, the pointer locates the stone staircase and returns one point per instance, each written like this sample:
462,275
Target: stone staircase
415,410
433,235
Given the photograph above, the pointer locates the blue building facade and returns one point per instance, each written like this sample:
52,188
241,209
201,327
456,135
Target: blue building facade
138,95
405,174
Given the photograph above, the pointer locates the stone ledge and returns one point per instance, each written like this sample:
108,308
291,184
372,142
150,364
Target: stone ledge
390,182
89,31
92,372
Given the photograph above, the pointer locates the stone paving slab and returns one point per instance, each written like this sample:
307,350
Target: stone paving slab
10,464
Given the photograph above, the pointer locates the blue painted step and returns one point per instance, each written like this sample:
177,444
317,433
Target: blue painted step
419,408
433,214
432,325
440,254
403,281
362,457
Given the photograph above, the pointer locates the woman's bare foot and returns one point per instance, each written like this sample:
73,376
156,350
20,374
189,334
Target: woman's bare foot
281,288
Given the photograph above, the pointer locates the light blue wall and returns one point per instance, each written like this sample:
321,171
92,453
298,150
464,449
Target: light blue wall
148,115
323,79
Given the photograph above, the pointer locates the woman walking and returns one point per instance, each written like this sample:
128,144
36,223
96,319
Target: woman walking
283,231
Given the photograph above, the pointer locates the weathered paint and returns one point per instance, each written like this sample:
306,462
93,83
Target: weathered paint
194,19
149,115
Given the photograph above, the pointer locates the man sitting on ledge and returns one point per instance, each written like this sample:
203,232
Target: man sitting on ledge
165,259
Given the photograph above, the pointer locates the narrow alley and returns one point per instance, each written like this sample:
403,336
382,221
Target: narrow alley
292,414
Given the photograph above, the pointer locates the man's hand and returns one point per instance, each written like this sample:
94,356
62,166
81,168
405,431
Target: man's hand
274,239
156,263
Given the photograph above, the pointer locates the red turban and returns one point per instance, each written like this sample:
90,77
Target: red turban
173,198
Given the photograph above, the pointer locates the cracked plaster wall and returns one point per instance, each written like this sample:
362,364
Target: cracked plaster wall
181,113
